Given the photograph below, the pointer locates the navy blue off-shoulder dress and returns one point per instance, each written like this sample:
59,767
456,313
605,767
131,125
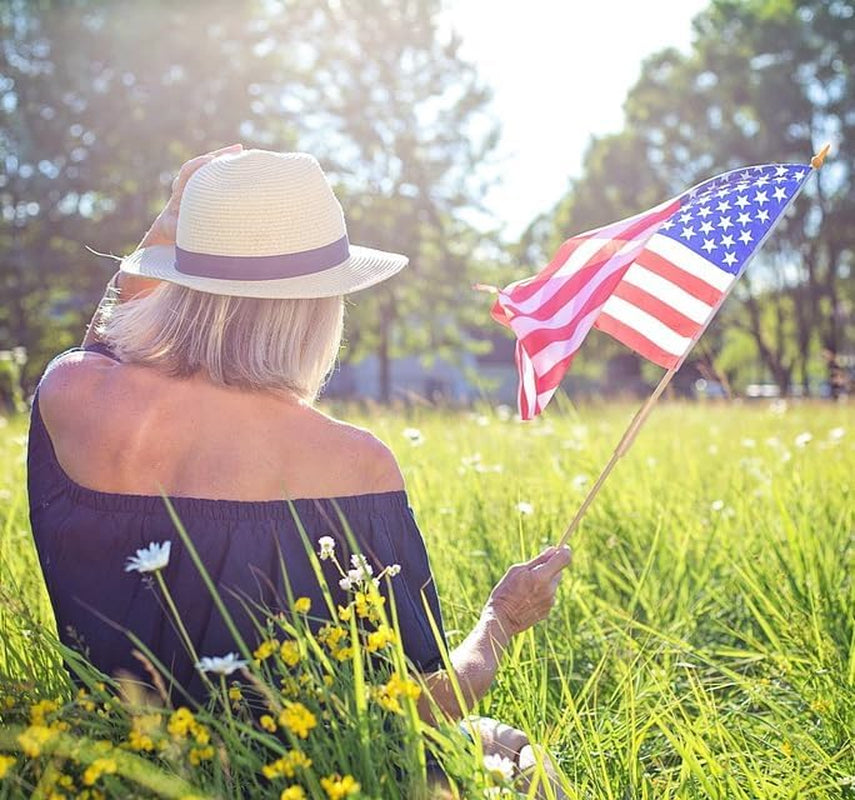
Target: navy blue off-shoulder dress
84,538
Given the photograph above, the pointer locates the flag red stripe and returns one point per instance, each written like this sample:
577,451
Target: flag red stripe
677,322
527,289
688,283
635,341
552,377
539,338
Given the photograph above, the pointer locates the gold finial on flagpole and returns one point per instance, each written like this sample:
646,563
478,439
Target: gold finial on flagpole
819,159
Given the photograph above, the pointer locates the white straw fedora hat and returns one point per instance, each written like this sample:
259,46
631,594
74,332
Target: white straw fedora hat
263,224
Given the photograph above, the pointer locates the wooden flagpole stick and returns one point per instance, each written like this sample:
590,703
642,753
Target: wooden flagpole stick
624,445
641,415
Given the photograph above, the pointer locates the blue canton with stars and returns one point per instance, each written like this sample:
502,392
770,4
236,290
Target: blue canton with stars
726,218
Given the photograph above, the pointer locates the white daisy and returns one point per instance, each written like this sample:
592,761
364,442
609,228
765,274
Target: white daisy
803,439
580,481
150,559
414,435
361,568
525,508
224,665
499,767
327,547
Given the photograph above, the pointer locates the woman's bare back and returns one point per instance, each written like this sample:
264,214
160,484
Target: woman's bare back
129,429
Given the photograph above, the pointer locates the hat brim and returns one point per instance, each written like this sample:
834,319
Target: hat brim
365,267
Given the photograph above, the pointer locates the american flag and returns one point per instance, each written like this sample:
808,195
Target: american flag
653,281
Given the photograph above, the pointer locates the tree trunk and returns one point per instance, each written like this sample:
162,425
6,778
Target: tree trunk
773,359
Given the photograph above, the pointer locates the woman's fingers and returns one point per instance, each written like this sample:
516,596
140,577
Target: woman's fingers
231,148
540,558
189,167
558,560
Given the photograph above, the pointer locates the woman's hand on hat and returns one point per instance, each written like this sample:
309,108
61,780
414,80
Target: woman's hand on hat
526,593
164,228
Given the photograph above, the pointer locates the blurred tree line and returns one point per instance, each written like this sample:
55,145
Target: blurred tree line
101,101
765,80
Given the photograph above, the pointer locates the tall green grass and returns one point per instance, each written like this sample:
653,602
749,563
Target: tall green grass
703,643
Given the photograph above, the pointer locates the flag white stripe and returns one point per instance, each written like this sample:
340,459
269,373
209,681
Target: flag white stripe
662,289
544,397
547,357
690,262
647,325
527,382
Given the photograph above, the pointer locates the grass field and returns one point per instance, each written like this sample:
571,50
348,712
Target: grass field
703,644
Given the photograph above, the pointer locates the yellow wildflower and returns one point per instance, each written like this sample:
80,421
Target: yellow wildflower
99,767
40,709
6,763
345,613
235,694
820,706
289,652
183,723
293,793
787,749
389,695
142,728
140,741
338,788
201,734
180,721
298,719
330,636
368,604
302,605
267,722
200,754
84,700
34,738
344,654
378,639
287,765
290,687
265,650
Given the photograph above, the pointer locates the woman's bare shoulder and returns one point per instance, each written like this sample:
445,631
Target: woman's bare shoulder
72,377
84,390
373,458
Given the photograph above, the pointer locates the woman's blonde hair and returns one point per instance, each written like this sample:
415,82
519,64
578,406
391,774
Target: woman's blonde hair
246,342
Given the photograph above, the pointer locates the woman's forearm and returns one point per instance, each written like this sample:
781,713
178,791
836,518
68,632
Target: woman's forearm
475,660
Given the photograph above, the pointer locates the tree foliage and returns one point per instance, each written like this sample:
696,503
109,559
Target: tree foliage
102,101
765,80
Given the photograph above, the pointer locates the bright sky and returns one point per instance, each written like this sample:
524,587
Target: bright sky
560,70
